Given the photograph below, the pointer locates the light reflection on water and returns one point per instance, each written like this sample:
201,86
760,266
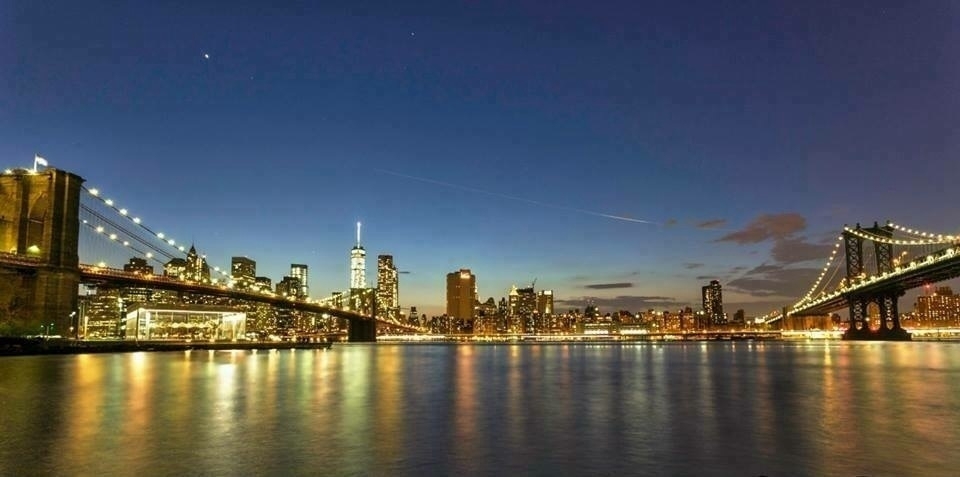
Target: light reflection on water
767,408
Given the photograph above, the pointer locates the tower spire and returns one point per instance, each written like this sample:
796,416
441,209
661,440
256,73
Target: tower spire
358,234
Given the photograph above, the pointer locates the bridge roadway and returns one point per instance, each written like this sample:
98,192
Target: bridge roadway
940,266
94,275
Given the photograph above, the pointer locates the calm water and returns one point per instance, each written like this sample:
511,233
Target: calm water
677,409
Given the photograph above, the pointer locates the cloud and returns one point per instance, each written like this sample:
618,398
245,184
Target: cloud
767,226
712,224
774,280
796,250
608,286
691,266
764,268
705,277
670,222
623,302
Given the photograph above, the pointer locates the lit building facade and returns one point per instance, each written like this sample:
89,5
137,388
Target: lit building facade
175,268
523,309
197,269
545,302
941,308
264,283
388,289
713,303
289,287
243,272
300,272
461,294
149,322
138,265
358,264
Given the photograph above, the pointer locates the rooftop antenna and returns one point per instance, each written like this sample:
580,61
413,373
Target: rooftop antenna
358,234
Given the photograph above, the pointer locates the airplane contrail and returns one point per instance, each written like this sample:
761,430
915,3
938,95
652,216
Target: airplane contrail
511,197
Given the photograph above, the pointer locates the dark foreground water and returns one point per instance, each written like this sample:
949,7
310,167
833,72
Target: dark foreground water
676,409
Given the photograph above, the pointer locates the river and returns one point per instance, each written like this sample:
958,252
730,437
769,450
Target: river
734,408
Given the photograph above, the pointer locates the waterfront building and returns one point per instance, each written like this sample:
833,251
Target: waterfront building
461,294
299,271
358,264
388,300
940,308
713,303
151,322
138,265
243,272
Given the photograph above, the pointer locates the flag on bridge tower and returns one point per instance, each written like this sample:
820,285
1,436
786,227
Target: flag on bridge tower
37,160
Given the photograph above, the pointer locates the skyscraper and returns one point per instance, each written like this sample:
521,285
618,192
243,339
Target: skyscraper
243,272
358,264
545,302
461,294
713,303
523,307
299,271
197,268
388,299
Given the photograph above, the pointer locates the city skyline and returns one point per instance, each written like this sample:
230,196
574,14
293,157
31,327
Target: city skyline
626,156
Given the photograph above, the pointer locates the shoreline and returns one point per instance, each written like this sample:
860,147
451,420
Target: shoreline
40,346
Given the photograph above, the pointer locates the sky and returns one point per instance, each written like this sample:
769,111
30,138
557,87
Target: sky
623,153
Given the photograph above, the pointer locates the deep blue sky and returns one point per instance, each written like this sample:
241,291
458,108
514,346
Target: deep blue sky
429,123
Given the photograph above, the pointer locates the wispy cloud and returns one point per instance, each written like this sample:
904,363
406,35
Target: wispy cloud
624,302
712,224
693,265
772,280
767,226
608,286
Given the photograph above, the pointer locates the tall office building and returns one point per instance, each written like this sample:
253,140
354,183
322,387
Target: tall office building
243,272
461,294
545,302
197,268
299,271
388,290
713,303
358,264
523,308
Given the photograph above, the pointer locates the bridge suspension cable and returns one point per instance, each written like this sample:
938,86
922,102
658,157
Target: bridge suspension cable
915,232
95,193
126,231
826,267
